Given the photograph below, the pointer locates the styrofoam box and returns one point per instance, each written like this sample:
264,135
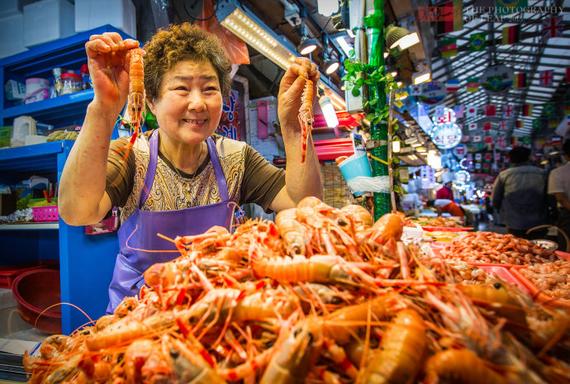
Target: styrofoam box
12,35
120,14
10,8
48,20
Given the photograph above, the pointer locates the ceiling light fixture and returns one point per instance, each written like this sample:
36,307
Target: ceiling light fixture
421,77
330,64
308,44
398,37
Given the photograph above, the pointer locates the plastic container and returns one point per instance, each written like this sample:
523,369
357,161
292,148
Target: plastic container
355,166
44,214
506,275
35,291
9,273
72,82
37,89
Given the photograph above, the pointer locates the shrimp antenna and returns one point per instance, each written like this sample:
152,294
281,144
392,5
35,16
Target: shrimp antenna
164,237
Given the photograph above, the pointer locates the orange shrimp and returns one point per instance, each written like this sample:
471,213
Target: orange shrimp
317,269
460,366
292,231
136,98
306,116
401,351
294,357
342,323
388,227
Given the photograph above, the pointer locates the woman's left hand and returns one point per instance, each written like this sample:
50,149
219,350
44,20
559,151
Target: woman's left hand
291,90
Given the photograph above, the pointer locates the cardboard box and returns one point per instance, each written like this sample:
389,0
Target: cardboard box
10,8
12,35
48,20
120,14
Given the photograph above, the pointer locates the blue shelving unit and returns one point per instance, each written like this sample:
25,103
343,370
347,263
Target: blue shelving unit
86,262
68,53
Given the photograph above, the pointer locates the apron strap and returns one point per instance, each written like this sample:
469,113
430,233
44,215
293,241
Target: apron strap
220,177
149,177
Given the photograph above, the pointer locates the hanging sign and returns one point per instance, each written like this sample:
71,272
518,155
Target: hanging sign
445,133
447,136
497,79
478,157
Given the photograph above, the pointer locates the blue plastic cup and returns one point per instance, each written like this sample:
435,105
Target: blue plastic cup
354,166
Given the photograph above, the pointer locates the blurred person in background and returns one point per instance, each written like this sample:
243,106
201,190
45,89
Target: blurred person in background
559,187
445,192
519,194
447,206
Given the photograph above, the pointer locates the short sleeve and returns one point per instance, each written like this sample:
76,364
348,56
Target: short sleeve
262,181
120,172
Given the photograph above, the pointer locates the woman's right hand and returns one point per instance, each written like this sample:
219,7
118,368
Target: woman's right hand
107,58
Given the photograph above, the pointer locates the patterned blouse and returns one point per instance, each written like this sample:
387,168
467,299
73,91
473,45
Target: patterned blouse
250,178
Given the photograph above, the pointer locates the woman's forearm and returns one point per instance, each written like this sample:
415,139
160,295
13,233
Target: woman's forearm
301,179
82,182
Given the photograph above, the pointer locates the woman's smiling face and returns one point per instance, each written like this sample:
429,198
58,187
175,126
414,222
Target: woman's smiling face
189,106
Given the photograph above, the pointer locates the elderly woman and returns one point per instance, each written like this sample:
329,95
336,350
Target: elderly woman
184,178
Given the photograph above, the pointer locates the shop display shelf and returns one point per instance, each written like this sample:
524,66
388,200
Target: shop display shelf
58,111
85,262
29,226
39,61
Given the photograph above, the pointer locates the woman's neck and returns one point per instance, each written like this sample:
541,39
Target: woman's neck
185,157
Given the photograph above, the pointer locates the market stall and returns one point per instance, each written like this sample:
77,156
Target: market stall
170,231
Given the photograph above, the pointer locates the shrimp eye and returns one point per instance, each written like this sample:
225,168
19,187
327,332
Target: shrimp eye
174,353
341,222
497,285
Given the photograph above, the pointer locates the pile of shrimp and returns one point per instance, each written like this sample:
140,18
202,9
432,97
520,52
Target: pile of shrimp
490,247
323,295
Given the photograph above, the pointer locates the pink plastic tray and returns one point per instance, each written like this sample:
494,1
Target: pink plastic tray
505,274
43,214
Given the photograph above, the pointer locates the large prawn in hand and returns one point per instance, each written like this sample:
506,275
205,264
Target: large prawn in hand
136,98
306,116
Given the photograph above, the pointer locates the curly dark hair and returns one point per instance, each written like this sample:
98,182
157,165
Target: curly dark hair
179,42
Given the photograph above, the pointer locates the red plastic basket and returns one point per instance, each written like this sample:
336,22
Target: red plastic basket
35,291
9,273
48,213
